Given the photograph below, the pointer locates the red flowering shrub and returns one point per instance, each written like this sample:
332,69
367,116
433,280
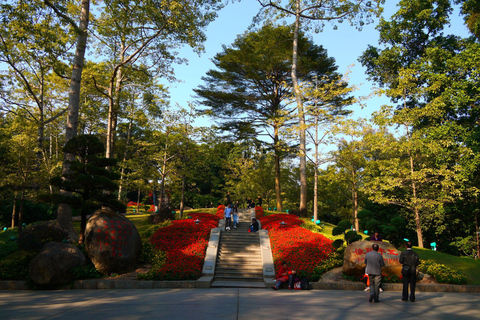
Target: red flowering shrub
302,249
185,243
131,204
152,208
258,212
220,211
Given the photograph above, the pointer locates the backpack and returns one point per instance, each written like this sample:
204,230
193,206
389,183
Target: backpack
304,284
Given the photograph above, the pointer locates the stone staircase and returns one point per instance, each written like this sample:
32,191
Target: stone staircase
239,259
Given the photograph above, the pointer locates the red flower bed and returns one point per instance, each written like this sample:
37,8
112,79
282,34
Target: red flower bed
258,212
152,208
302,249
185,243
220,211
131,204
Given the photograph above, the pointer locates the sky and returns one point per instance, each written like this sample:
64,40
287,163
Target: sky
345,44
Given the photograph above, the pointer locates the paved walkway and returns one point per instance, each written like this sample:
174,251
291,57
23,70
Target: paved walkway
232,303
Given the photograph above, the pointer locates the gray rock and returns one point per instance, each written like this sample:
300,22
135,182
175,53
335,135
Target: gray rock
112,242
354,257
54,264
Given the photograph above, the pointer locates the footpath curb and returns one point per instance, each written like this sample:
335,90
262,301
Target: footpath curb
140,284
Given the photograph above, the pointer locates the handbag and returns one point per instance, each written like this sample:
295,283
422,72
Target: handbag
406,270
297,285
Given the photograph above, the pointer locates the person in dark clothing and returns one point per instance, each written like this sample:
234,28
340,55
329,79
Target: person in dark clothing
259,201
374,262
410,260
254,225
376,236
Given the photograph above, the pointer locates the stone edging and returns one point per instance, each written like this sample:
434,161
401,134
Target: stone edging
139,284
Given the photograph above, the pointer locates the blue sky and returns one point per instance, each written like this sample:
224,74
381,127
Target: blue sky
345,44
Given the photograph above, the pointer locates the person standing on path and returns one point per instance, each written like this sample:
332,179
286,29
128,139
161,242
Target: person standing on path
374,262
410,260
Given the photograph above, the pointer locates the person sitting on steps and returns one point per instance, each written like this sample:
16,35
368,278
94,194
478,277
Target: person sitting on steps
285,273
253,226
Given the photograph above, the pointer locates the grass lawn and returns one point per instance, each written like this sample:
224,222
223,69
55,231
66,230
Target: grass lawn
467,266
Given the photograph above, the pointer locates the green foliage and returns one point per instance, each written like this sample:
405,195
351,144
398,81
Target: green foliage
15,265
86,272
337,231
7,245
372,225
442,273
466,245
36,236
151,255
88,177
334,261
309,225
345,225
338,243
353,236
364,214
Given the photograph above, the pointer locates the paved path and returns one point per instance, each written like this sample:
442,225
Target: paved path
232,303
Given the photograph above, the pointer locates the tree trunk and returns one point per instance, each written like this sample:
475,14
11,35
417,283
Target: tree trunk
301,116
21,212
476,229
64,215
315,187
14,211
138,201
415,205
113,108
122,174
355,201
278,186
182,198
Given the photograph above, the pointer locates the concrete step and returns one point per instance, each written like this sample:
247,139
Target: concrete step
242,257
239,249
240,274
238,284
243,269
238,278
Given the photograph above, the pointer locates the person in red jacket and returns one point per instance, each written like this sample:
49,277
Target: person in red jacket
283,275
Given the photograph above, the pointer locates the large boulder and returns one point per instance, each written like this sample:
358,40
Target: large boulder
354,257
54,264
112,242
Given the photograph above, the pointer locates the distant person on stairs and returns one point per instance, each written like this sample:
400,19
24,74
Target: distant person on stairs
235,215
228,216
254,225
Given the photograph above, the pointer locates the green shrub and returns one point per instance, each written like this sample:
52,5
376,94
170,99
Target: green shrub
15,265
7,245
335,260
442,273
36,236
151,255
309,225
352,236
337,243
86,272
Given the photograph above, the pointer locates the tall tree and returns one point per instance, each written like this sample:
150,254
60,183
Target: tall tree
136,34
32,47
328,97
251,86
64,216
314,13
